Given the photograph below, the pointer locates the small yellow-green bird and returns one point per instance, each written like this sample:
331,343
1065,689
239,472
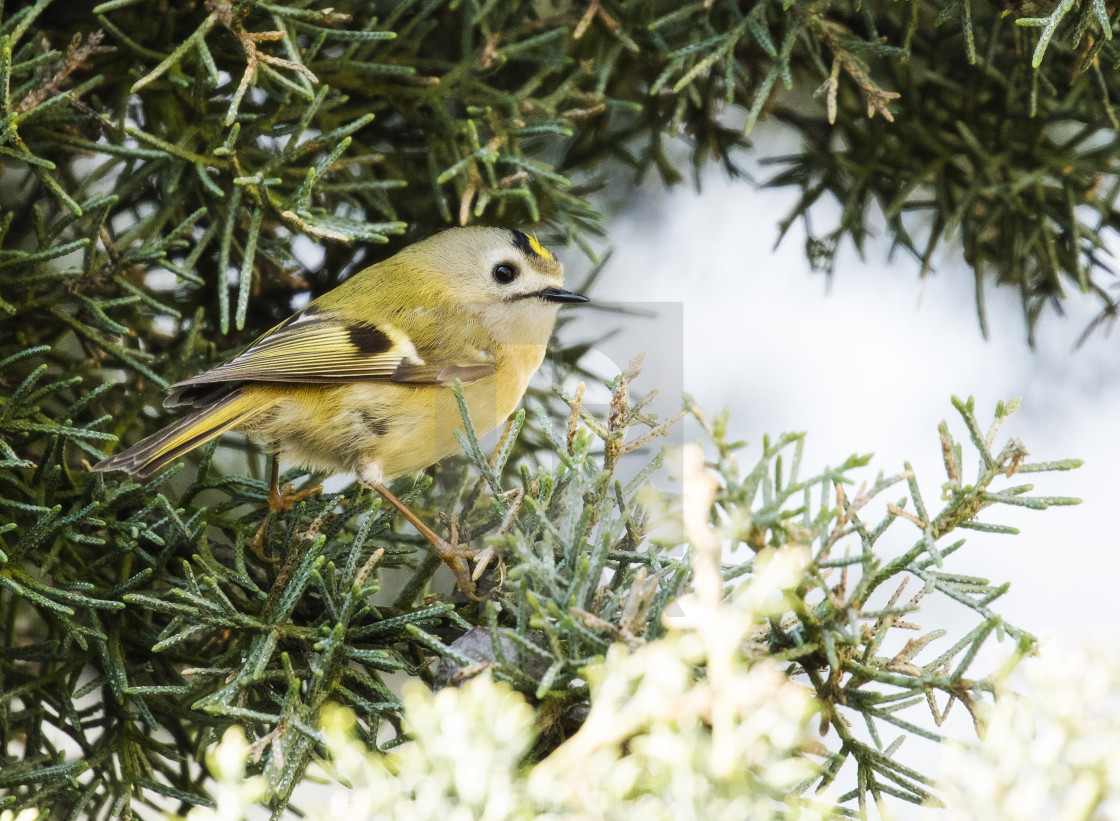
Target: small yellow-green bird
360,379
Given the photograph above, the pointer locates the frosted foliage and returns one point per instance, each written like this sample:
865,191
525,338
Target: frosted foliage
22,815
659,741
1054,754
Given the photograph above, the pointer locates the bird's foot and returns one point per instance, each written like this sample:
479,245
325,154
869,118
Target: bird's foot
456,555
283,501
279,501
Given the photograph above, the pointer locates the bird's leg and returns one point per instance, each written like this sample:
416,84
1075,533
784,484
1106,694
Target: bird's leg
453,555
279,501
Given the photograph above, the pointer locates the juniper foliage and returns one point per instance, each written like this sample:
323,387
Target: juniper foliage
162,161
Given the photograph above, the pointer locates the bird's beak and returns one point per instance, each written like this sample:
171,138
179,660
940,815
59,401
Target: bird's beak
560,295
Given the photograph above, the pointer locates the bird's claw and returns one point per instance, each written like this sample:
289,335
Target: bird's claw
258,544
279,501
482,560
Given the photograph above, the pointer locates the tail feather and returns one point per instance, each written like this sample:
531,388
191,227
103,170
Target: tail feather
151,454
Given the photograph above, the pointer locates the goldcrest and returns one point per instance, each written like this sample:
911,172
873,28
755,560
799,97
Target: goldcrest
360,379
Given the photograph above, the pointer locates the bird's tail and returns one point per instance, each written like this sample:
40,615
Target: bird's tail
150,454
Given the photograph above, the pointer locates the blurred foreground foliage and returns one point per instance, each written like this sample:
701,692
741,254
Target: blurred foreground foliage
163,164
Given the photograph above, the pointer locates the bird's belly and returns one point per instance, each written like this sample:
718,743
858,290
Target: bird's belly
395,429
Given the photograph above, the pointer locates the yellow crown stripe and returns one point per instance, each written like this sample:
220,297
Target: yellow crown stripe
540,249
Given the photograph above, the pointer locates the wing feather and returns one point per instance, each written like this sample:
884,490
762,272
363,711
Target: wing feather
322,347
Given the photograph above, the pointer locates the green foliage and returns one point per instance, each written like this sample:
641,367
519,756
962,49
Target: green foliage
164,162
200,138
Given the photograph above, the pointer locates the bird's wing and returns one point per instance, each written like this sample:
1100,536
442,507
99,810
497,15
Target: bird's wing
323,347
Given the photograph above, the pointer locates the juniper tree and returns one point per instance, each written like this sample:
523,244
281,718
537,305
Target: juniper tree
163,162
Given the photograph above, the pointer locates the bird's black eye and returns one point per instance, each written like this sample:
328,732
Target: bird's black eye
505,273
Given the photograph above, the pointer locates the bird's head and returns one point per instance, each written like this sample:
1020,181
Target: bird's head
509,280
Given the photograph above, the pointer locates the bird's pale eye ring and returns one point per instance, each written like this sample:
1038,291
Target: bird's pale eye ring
505,273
